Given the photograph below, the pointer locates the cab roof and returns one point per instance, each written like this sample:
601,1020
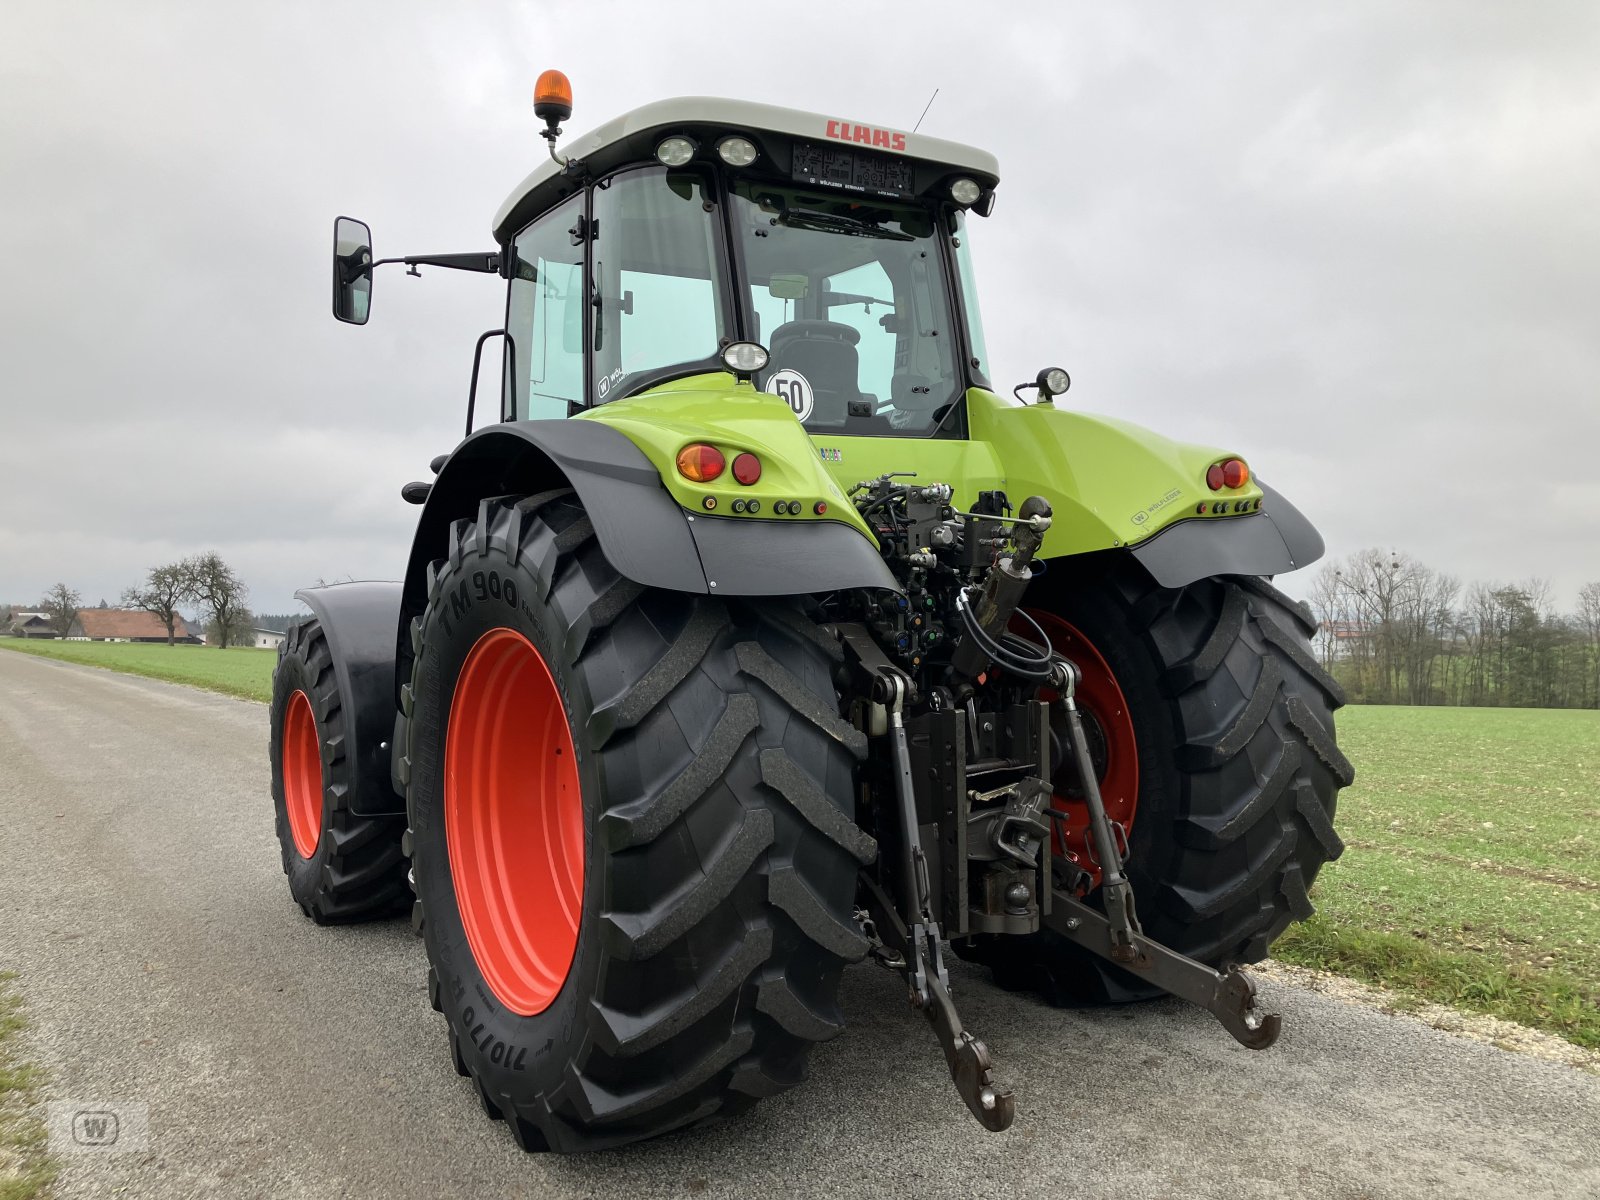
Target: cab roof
633,136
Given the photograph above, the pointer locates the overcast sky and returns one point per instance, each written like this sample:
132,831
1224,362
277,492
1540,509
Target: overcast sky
1359,244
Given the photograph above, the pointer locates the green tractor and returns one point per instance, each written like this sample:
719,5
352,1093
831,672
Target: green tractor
765,633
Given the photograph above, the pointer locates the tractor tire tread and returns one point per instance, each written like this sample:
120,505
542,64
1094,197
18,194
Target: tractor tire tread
360,871
724,971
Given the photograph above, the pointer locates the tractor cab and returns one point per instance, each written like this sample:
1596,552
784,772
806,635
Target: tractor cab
837,247
650,246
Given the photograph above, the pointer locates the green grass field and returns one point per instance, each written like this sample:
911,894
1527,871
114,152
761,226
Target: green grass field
1472,876
25,1169
245,672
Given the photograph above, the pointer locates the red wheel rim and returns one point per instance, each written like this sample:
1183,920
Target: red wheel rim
513,811
1101,699
302,775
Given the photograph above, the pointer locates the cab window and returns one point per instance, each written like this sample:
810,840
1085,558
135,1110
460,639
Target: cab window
657,298
544,366
850,299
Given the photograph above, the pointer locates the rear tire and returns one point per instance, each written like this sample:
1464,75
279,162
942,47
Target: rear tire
720,852
341,866
1239,774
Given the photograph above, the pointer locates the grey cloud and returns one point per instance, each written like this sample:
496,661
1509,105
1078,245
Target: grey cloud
1356,244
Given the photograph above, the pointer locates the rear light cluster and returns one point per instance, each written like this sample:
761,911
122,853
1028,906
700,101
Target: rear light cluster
699,462
1230,473
703,464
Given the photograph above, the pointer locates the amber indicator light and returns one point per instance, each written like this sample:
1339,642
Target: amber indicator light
700,462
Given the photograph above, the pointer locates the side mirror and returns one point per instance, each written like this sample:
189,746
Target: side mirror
352,271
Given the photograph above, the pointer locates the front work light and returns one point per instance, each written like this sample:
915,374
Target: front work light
744,359
737,151
675,151
965,192
1052,382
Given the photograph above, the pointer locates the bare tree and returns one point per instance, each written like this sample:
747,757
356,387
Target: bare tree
1374,584
1588,619
1395,631
60,604
1424,622
238,630
221,593
165,588
1328,608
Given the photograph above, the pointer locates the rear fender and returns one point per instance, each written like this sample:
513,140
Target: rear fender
359,621
645,532
1113,485
1273,541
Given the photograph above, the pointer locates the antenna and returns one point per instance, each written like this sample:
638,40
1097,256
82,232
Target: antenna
925,109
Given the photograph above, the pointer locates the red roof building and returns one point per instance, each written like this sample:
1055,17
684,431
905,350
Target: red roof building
126,625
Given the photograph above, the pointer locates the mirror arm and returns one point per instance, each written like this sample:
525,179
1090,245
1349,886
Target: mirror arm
488,264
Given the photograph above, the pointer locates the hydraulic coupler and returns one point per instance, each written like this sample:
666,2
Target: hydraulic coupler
988,613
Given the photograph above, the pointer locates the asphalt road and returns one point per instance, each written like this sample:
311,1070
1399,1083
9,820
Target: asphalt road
142,904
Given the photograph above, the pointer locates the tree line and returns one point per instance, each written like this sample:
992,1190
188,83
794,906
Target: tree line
204,581
1395,631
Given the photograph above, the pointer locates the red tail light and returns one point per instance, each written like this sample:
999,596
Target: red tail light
1231,473
746,468
700,462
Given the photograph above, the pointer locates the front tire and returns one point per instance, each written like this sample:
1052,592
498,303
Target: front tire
1238,773
672,949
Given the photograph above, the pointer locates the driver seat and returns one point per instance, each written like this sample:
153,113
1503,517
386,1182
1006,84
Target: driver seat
825,353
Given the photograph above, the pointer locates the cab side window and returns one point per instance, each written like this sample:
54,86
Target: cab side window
545,316
656,303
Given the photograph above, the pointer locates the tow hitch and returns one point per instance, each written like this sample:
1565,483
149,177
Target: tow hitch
905,935
961,788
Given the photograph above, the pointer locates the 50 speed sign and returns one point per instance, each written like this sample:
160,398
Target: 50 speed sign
794,388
